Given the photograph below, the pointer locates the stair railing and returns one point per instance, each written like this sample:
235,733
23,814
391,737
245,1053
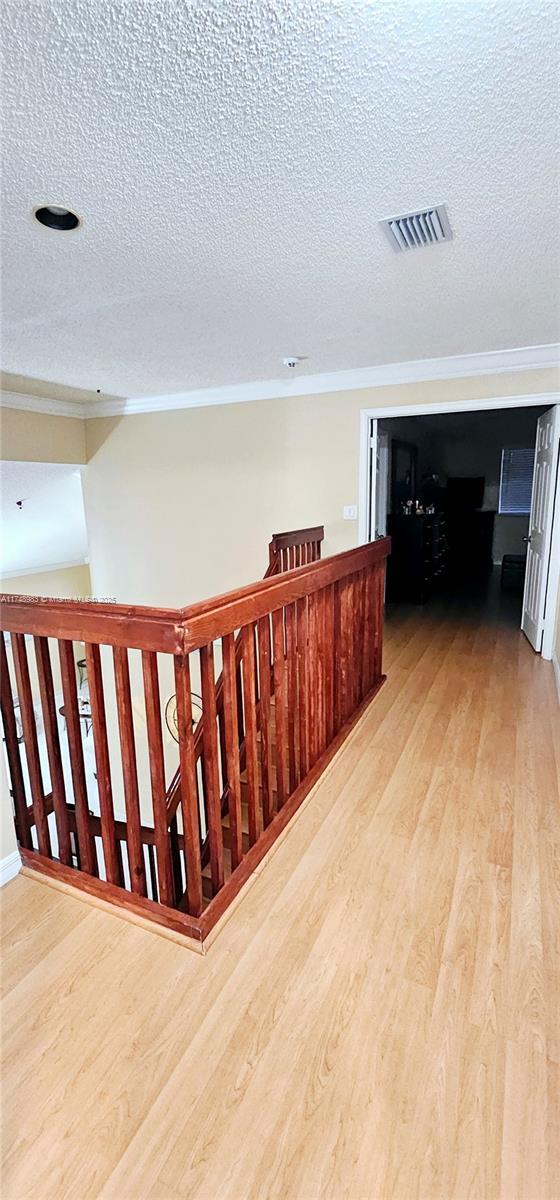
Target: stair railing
294,548
300,658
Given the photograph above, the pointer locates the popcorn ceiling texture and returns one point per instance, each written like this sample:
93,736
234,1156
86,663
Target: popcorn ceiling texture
231,159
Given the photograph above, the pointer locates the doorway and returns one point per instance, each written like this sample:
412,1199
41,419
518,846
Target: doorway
470,499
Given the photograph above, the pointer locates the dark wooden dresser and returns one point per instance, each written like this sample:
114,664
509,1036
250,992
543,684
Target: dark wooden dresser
417,564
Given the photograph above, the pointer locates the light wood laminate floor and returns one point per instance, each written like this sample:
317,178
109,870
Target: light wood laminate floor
378,1018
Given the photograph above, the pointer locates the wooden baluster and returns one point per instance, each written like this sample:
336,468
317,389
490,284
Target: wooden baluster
50,723
358,623
314,677
189,785
231,739
322,654
350,660
337,655
351,657
344,651
357,636
294,767
302,688
367,633
263,628
317,672
157,776
329,664
356,655
355,648
379,592
360,634
102,765
211,773
369,664
280,703
249,696
86,844
12,749
130,776
321,672
31,742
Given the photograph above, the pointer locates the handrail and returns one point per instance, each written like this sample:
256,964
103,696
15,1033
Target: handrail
295,548
301,654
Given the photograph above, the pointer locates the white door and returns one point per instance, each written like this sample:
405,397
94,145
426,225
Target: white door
381,484
540,525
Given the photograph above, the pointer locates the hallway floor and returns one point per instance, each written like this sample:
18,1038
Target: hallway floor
379,1017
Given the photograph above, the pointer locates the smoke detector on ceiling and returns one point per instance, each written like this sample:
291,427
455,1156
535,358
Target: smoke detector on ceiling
292,361
414,230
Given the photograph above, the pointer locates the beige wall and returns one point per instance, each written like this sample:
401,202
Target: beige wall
181,505
8,841
36,437
66,583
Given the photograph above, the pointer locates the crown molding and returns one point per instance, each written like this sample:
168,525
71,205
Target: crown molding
41,404
492,362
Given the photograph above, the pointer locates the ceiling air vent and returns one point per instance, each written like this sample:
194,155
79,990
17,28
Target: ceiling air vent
423,228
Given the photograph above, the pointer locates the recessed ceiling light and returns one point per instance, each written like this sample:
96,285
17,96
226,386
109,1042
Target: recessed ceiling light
55,217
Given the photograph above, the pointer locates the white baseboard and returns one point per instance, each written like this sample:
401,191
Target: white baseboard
9,866
556,668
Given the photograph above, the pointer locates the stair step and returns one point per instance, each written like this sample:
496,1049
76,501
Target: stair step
244,836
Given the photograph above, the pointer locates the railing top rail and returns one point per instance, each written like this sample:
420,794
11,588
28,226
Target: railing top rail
178,631
297,537
223,614
137,626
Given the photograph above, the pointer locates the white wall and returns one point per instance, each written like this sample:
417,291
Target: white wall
8,844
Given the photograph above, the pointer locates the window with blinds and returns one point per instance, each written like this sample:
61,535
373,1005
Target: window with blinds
516,481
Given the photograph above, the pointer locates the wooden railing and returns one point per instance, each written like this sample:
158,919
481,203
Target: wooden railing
295,548
303,545
284,667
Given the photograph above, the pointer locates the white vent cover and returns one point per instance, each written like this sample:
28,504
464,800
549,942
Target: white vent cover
422,228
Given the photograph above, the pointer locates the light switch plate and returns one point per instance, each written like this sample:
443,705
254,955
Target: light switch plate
350,512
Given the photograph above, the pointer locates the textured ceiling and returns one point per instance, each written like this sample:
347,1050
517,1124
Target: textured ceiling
230,161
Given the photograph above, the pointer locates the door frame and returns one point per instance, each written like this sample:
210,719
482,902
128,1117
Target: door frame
367,468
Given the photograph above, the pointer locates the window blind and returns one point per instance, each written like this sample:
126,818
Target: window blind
516,481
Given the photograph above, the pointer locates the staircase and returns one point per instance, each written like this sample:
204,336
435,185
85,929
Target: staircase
284,668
